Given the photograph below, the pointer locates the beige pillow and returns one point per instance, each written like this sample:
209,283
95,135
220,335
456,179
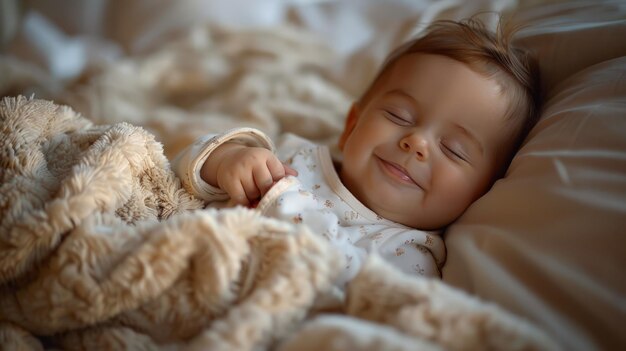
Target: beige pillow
570,36
548,241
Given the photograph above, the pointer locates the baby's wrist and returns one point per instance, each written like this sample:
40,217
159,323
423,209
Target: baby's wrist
209,169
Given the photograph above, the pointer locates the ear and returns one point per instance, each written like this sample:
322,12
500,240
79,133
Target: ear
353,116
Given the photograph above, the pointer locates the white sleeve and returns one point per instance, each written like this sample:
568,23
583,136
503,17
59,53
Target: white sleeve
188,163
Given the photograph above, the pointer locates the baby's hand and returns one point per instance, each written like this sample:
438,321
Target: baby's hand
245,173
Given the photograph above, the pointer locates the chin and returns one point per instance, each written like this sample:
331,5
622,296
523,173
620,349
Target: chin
419,222
413,224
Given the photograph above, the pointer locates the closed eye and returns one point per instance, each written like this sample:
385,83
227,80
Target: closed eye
452,152
395,118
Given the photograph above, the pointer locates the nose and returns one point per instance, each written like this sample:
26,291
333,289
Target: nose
417,144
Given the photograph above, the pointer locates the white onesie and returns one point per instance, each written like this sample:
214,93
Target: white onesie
317,198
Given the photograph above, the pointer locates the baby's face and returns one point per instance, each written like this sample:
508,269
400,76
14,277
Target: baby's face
427,142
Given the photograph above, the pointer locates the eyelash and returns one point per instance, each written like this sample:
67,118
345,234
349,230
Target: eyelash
396,119
454,153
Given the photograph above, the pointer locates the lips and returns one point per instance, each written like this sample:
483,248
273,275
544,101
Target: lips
398,172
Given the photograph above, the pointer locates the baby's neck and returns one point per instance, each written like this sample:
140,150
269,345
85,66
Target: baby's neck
337,166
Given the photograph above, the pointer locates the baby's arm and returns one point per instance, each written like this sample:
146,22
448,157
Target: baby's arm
244,172
188,163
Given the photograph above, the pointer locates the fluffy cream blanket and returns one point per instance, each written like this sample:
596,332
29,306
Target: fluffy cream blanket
100,247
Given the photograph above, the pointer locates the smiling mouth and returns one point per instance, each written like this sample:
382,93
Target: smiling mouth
397,172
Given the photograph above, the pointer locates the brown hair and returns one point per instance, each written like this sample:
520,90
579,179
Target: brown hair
486,52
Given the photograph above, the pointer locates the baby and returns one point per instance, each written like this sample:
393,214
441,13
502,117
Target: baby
435,129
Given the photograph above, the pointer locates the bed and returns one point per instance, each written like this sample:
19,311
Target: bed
101,247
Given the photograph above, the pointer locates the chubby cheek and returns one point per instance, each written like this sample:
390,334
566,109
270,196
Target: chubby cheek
371,128
456,189
361,141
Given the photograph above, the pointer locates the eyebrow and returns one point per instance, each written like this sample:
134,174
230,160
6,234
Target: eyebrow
470,136
401,92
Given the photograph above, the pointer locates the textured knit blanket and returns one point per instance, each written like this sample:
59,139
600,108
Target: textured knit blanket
101,248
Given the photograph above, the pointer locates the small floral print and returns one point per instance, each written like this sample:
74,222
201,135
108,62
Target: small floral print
399,251
418,269
422,249
316,186
429,240
376,236
329,204
350,215
306,153
297,219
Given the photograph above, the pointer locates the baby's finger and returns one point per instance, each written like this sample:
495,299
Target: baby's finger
290,171
262,178
276,168
236,192
249,186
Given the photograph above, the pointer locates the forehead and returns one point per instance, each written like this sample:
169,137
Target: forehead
441,86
